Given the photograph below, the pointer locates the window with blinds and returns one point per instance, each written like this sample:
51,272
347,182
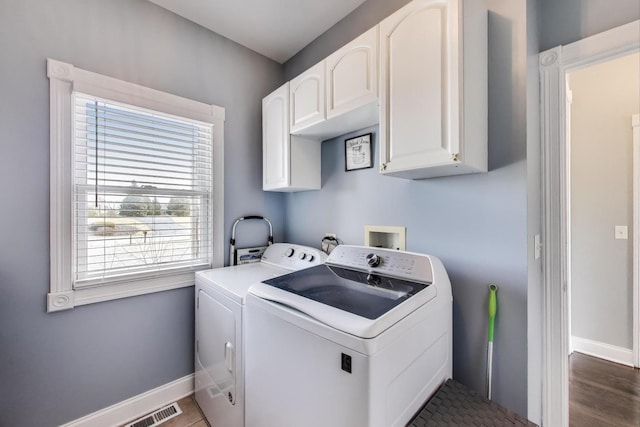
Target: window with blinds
142,192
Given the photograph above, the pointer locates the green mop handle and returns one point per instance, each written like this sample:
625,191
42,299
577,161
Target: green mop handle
493,307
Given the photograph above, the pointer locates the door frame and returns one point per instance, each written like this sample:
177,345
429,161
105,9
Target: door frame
554,65
635,124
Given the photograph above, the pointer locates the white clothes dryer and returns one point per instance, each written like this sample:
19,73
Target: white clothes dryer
220,295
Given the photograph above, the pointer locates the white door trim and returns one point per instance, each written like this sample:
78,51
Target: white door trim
554,65
635,124
568,165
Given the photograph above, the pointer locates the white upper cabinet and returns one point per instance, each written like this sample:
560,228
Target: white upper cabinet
349,81
352,75
421,74
289,163
433,89
307,95
275,138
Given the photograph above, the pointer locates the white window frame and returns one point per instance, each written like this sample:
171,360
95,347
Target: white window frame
63,80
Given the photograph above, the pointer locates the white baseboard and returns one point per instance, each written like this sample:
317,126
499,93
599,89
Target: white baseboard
137,406
609,352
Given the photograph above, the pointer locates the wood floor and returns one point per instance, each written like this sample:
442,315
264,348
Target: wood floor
602,393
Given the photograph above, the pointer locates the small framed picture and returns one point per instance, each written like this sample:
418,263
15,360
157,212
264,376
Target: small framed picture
357,152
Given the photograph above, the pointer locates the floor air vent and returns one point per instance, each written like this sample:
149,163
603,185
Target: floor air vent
158,417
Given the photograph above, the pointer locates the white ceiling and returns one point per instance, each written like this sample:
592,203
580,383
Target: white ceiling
278,29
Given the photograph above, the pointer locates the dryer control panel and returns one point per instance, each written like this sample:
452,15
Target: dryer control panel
293,257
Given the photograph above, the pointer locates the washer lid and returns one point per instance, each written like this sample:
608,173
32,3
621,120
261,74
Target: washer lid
360,303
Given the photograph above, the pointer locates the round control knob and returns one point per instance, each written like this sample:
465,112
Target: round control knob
373,260
310,258
289,252
302,255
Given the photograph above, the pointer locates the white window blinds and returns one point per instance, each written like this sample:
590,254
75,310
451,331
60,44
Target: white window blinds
142,193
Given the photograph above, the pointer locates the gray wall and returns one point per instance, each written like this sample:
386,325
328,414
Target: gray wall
58,367
566,21
605,96
477,224
534,217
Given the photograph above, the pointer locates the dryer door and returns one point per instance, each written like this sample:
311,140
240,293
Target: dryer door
216,347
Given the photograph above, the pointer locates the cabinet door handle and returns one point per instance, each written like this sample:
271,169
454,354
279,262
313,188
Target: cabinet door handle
228,356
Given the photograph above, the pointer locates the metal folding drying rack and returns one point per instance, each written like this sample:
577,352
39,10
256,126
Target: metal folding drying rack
247,255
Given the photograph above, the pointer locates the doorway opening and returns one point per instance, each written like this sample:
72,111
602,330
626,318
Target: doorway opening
555,65
601,101
602,98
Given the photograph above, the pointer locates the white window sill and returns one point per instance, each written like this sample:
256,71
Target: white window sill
69,299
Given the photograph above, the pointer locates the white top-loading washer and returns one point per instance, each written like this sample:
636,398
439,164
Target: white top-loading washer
220,295
363,340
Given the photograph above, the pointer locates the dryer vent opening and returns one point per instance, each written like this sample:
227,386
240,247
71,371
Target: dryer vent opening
158,417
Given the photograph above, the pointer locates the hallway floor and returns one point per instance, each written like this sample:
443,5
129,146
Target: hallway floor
602,393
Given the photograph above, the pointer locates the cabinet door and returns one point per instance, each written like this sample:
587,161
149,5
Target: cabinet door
275,139
352,78
307,98
418,87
